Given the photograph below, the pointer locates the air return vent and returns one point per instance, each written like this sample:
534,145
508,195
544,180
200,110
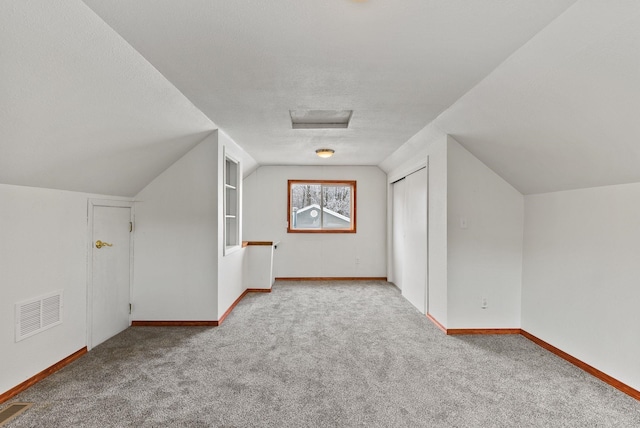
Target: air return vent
38,314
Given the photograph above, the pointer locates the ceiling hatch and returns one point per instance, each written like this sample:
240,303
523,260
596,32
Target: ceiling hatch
320,119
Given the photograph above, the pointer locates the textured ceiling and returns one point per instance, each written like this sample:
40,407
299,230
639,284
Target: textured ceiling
397,65
546,93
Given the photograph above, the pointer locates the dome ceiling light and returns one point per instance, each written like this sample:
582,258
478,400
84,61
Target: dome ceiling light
325,153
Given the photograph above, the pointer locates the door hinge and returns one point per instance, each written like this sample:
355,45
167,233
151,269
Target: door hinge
130,307
130,226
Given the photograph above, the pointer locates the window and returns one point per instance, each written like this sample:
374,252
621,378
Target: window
231,204
321,206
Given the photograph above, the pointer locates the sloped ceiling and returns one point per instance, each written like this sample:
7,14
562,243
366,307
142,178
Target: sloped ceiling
396,64
563,111
102,98
80,109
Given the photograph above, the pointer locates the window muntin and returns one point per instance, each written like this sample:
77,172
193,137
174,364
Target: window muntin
321,206
231,204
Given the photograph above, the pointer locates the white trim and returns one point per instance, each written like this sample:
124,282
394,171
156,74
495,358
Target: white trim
91,204
238,189
428,261
408,171
391,273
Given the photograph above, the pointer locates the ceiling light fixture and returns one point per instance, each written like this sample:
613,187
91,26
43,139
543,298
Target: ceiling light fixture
325,153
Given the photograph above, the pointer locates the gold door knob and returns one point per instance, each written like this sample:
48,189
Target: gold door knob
100,244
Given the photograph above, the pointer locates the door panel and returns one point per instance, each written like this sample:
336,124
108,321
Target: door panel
414,276
110,272
398,232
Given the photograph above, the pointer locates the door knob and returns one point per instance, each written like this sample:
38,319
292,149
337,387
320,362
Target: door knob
100,244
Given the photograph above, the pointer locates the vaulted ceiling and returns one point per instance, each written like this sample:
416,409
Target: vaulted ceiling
563,111
102,95
80,109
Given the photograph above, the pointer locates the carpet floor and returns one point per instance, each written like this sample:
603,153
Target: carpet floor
322,354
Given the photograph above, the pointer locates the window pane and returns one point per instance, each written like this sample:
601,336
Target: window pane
337,206
305,206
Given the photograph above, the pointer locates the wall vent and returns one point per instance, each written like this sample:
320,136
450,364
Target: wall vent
38,314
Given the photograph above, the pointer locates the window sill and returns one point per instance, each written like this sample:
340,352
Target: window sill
321,231
231,250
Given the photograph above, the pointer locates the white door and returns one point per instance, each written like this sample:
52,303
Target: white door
414,275
110,286
398,232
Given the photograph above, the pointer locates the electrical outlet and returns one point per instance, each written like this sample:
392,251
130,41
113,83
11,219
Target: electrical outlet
357,260
484,303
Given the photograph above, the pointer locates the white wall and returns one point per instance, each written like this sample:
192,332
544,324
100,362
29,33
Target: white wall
580,275
437,232
43,248
465,265
485,256
44,242
428,145
319,255
176,240
258,267
180,270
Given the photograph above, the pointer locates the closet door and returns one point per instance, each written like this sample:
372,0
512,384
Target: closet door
398,232
414,271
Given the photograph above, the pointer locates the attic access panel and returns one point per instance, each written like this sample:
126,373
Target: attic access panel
320,119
